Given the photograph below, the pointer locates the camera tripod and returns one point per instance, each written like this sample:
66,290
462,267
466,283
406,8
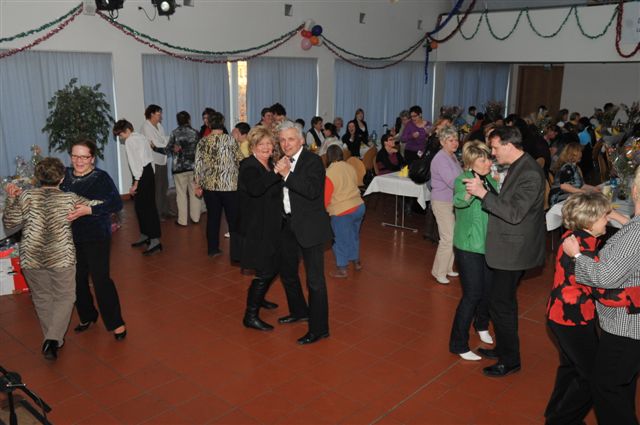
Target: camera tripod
11,381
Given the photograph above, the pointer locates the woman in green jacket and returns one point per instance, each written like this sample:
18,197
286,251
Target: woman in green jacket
468,241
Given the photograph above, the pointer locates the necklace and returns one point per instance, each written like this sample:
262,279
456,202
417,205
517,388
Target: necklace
83,174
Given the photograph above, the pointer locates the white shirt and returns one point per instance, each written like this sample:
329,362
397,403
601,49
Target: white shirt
139,154
329,142
285,190
158,137
311,140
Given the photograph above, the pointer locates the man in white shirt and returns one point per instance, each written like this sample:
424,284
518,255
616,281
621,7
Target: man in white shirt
154,132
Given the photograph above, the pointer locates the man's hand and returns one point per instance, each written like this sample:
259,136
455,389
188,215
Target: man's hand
177,148
474,187
571,246
283,166
133,189
79,211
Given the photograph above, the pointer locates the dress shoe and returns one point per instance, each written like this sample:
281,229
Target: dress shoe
440,279
50,349
488,353
453,274
310,338
120,336
180,224
268,305
214,253
292,319
151,251
357,265
499,370
256,323
485,337
83,326
141,242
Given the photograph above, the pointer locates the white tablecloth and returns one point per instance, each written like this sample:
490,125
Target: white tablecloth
4,233
402,186
554,215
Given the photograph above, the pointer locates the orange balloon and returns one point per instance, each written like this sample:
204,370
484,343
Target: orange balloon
314,40
434,44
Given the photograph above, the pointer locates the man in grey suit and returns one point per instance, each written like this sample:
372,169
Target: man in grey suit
515,241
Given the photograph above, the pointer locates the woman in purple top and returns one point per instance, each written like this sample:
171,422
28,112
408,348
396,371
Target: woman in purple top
415,134
444,170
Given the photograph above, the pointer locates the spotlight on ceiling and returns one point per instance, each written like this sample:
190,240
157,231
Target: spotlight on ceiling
109,4
165,7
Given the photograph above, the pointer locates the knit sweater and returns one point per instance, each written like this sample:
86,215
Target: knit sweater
341,189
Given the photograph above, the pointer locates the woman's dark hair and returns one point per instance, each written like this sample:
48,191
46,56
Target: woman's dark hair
216,121
183,118
151,109
278,109
49,171
384,138
583,123
89,144
301,122
243,127
355,116
331,128
415,109
120,126
264,111
315,120
334,153
479,116
208,111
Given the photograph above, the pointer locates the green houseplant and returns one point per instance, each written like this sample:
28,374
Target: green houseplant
77,112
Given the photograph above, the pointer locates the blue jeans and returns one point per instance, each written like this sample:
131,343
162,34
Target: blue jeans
475,279
346,236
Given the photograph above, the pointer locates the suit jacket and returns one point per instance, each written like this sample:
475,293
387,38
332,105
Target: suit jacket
309,220
259,215
516,229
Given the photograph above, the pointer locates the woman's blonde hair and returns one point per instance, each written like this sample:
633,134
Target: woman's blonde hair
473,150
568,154
259,132
581,210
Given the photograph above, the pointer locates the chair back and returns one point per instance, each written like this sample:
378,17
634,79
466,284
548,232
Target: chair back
358,165
369,158
346,154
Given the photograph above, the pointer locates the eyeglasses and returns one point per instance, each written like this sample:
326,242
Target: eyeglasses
414,116
81,157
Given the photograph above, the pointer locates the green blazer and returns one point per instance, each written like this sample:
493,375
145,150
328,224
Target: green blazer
470,231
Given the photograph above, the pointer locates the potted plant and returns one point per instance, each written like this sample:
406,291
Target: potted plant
78,112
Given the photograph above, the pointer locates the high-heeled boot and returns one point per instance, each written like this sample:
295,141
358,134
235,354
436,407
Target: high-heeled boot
255,296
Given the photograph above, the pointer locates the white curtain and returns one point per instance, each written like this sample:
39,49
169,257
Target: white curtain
293,82
474,84
28,80
381,93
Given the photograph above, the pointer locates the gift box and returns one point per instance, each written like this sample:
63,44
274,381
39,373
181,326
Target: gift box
11,278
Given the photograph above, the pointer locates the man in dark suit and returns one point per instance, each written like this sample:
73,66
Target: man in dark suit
305,229
515,241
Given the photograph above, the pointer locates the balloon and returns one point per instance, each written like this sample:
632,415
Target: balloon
316,30
314,40
305,44
434,44
308,24
305,33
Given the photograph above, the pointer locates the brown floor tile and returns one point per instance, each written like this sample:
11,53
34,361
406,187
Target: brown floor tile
139,409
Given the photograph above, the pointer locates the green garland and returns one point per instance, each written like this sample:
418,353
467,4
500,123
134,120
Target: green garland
573,9
42,27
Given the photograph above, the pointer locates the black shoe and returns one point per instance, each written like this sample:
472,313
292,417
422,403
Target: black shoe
214,253
50,349
499,370
268,305
83,326
292,319
256,323
121,336
141,242
151,251
488,353
310,338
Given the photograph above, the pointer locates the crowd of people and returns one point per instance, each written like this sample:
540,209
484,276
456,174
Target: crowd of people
286,193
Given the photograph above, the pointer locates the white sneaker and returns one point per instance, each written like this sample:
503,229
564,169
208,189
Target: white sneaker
441,280
471,356
485,337
453,274
227,235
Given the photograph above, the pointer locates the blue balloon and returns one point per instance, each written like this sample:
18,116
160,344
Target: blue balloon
316,30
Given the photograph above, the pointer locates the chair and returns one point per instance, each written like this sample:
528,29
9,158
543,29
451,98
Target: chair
346,154
369,158
375,168
323,157
358,165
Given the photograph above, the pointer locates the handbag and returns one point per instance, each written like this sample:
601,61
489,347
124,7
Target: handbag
431,226
420,169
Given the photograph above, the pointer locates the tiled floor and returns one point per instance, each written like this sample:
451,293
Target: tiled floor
189,360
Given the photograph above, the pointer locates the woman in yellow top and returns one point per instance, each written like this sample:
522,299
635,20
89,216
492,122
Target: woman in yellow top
346,208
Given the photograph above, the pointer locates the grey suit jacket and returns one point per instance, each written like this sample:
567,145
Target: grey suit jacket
516,229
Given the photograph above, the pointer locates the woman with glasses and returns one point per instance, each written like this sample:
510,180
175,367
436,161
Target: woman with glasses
92,239
415,134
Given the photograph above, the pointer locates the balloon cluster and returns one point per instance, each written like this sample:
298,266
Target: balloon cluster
310,35
431,45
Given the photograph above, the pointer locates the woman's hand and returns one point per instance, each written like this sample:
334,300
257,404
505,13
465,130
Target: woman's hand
198,190
133,189
415,134
571,246
13,190
79,211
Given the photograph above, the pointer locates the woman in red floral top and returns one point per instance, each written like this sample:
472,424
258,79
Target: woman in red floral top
571,309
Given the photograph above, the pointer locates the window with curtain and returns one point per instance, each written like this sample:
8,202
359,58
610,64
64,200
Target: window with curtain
474,84
28,80
381,93
293,82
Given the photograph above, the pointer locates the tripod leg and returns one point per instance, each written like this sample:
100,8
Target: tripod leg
13,419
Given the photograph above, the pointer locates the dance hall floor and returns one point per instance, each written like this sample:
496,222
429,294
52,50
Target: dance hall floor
188,359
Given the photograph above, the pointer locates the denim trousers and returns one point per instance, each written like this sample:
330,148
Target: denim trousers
475,279
346,236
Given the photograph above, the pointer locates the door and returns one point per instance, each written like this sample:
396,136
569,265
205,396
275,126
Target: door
539,85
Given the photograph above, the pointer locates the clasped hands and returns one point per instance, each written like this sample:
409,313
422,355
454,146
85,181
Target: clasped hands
283,166
475,187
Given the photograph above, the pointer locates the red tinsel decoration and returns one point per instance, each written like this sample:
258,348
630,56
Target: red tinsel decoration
42,38
619,32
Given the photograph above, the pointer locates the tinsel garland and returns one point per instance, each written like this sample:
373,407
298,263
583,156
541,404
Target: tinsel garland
44,37
460,23
359,65
620,9
196,59
439,26
42,27
374,58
